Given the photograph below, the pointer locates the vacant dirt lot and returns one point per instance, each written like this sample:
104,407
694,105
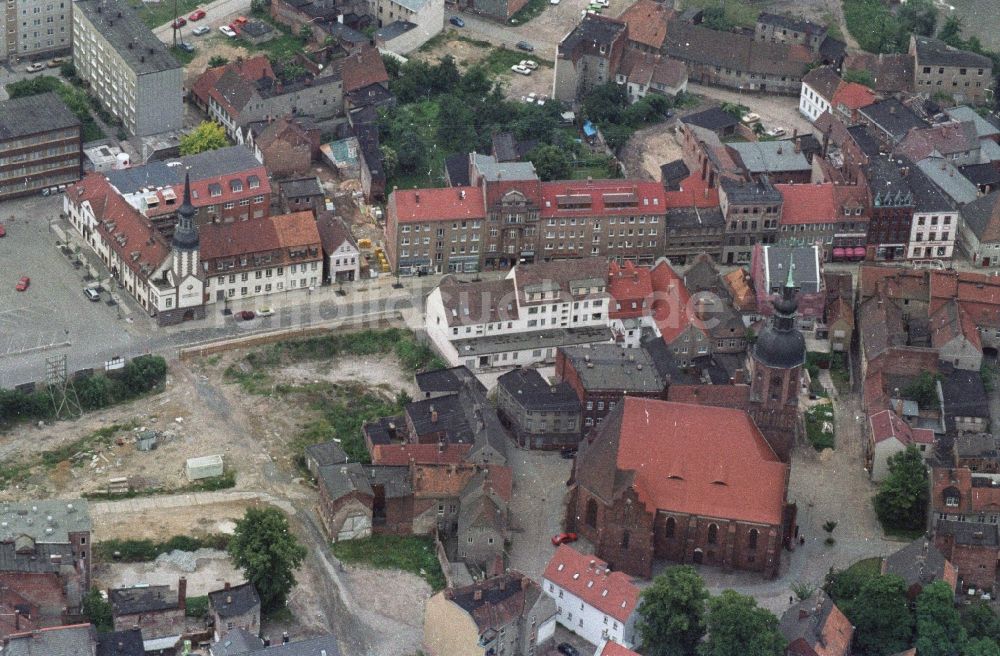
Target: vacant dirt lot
649,149
211,570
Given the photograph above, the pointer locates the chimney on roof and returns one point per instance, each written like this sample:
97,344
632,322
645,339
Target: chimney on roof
803,613
503,583
434,416
225,586
797,145
182,586
892,110
477,595
229,599
461,194
417,197
284,637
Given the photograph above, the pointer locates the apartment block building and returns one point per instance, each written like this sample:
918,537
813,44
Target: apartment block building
940,68
588,56
37,154
130,71
35,28
504,222
753,212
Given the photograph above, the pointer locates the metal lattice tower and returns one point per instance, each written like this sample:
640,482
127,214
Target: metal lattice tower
61,389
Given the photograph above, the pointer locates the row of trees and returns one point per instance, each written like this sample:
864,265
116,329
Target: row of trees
877,29
886,621
679,618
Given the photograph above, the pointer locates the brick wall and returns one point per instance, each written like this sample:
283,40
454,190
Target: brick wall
283,159
976,564
43,591
157,624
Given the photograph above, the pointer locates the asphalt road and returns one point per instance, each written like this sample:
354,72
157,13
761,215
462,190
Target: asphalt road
220,12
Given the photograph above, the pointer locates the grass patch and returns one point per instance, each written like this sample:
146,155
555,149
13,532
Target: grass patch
833,26
158,13
533,9
280,48
500,60
411,553
213,484
196,607
141,551
441,37
18,471
738,13
819,426
902,534
183,56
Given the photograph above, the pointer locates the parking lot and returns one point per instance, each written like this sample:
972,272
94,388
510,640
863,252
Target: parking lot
53,314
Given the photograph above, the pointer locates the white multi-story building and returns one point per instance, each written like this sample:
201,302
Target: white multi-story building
129,70
591,601
816,96
35,28
523,318
935,220
343,257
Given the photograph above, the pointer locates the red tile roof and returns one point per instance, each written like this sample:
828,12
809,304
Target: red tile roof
296,230
628,284
887,425
693,192
251,70
729,472
671,309
612,648
501,480
362,68
853,96
122,227
647,22
589,578
444,204
421,454
593,197
807,203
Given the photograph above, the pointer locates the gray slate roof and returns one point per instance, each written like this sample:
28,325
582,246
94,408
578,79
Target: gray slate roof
948,179
893,116
492,170
121,26
693,218
120,643
211,164
237,642
979,215
235,601
807,269
934,52
55,641
32,518
19,117
964,396
927,196
128,601
533,392
445,380
751,193
978,445
969,533
918,562
770,156
713,118
984,126
301,187
614,368
790,23
539,339
39,561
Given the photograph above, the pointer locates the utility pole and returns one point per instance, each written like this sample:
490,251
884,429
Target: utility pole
174,24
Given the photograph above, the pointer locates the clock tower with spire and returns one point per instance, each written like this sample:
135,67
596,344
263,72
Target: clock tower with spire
776,362
185,251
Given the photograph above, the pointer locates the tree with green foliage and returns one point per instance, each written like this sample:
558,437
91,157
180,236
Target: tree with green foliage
98,611
411,152
981,647
145,373
939,627
456,124
390,162
881,617
68,70
672,613
980,621
737,625
306,33
916,17
951,30
901,502
265,549
217,60
715,18
209,135
390,62
860,77
845,585
923,390
536,123
606,103
551,163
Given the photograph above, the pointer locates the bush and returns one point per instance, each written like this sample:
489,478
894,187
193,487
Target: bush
140,551
817,417
197,607
97,611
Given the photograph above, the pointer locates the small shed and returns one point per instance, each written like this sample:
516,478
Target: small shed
146,440
204,467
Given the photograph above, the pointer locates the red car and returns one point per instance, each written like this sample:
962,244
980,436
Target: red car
563,538
22,284
179,22
235,27
197,15
3,231
246,315
241,21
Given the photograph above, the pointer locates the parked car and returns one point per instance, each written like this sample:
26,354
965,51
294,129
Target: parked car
228,31
246,315
196,15
265,312
775,132
568,453
179,22
186,47
241,21
553,2
22,284
750,118
56,62
456,21
92,294
563,538
200,30
567,649
525,46
523,70
528,63
34,68
3,231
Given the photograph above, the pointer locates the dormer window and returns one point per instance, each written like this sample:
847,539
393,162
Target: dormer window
215,189
236,186
253,181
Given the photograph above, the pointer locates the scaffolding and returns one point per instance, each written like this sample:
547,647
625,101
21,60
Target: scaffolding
61,389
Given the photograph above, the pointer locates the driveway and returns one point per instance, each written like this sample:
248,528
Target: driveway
537,507
774,111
